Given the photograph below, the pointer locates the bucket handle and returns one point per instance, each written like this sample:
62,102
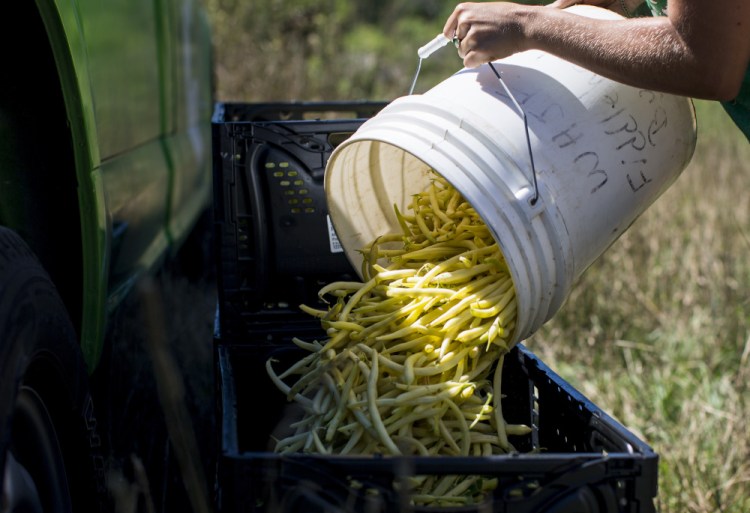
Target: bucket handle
437,43
520,110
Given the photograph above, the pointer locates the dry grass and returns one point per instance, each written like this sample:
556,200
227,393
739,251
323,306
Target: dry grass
658,330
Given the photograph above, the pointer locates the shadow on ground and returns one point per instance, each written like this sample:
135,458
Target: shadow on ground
154,394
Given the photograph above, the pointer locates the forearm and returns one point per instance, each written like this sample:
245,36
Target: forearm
644,52
700,50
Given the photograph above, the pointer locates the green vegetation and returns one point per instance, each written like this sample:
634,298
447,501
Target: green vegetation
325,49
657,332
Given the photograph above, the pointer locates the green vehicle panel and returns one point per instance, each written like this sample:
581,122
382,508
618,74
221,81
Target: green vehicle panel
135,79
105,139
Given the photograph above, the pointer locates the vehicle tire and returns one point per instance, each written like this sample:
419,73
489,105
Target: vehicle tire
50,452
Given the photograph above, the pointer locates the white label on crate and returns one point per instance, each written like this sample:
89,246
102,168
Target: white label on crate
333,239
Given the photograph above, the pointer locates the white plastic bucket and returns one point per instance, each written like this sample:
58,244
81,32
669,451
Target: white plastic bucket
603,153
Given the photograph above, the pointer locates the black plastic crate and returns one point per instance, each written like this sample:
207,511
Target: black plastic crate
275,244
585,462
270,259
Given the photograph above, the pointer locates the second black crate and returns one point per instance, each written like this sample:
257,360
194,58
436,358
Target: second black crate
276,246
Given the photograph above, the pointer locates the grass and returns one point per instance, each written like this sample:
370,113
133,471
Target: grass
657,332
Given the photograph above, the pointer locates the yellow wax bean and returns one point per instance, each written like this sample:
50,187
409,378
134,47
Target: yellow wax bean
448,362
322,449
345,326
420,291
480,438
517,429
455,254
402,221
498,413
308,346
448,437
340,407
364,289
336,286
337,340
405,441
423,343
472,334
409,330
462,486
422,224
463,427
395,274
444,484
313,311
353,440
301,366
307,403
430,253
417,414
291,443
437,210
497,308
461,275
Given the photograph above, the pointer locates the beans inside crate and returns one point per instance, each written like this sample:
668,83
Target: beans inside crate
275,255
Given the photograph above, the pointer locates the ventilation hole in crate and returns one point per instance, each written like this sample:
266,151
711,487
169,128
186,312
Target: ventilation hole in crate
336,138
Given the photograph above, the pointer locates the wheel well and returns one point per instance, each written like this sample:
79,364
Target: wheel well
38,197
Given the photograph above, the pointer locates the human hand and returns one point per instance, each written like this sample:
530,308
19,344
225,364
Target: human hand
486,31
